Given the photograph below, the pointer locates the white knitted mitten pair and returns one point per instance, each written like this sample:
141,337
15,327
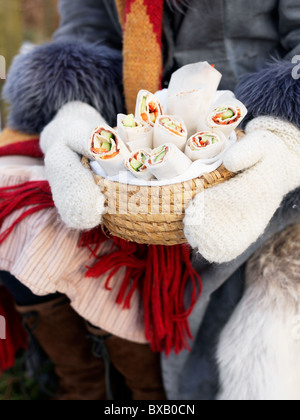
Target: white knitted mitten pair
237,212
76,196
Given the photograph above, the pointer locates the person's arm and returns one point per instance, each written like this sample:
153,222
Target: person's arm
83,63
266,161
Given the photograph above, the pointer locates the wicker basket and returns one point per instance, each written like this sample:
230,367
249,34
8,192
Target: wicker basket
143,215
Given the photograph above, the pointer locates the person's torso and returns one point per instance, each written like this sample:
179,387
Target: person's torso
237,36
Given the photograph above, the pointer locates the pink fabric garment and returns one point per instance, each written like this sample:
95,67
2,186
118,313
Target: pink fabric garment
43,254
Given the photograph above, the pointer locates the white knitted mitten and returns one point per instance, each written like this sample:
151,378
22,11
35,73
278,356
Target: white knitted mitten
236,213
77,198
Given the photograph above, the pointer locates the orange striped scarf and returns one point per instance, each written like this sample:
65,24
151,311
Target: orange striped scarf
141,21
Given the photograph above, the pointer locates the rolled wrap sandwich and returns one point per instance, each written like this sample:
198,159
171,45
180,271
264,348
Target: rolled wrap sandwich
135,134
136,164
167,162
191,92
108,150
225,116
189,105
205,145
169,129
148,107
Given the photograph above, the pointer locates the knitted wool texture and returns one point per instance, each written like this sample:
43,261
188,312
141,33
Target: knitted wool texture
259,354
237,212
142,37
76,196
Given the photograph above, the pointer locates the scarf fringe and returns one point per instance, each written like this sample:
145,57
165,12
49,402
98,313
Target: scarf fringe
36,195
160,274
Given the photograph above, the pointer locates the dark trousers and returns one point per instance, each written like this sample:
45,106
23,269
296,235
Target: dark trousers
22,295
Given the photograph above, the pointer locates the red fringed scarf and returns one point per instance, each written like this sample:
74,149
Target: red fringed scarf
160,274
14,336
35,195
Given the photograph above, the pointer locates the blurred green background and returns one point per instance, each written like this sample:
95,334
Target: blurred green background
20,21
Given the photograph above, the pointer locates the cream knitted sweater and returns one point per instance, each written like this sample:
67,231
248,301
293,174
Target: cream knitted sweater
224,221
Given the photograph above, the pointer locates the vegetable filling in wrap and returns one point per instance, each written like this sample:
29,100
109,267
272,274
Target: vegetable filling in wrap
205,139
205,145
108,150
136,164
226,115
167,162
158,155
169,129
104,144
172,125
138,160
148,107
130,122
135,133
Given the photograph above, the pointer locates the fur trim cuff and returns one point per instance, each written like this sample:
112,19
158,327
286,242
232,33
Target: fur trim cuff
272,91
42,81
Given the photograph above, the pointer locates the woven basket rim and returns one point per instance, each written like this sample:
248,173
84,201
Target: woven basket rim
98,178
150,228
